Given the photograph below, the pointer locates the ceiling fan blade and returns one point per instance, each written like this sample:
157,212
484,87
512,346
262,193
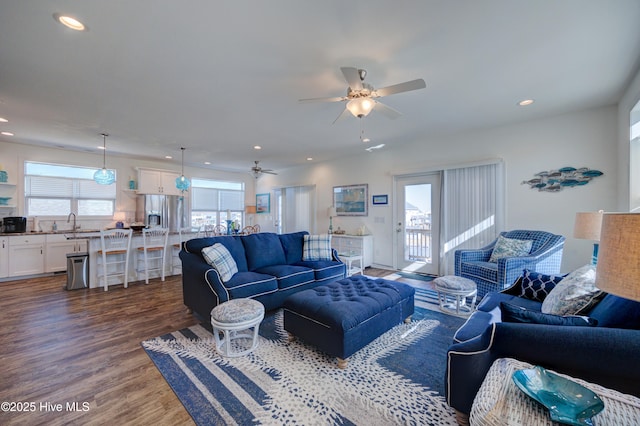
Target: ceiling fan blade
270,172
399,88
334,99
386,110
345,113
353,77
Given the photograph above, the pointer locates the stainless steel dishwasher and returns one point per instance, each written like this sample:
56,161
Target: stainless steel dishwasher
77,270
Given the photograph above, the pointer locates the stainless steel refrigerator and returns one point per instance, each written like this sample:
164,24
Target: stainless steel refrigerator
167,211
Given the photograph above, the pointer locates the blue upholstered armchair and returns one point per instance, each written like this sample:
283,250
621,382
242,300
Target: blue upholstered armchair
545,256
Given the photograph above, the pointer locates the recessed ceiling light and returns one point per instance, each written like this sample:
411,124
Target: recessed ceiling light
7,133
257,147
168,157
309,158
526,102
3,120
69,22
366,140
207,162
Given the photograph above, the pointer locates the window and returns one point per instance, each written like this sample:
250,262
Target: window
214,202
57,190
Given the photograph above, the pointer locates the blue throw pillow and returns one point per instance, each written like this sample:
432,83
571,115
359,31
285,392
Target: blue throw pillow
617,312
513,313
536,286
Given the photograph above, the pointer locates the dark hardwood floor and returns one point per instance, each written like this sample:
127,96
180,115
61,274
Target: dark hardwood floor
83,346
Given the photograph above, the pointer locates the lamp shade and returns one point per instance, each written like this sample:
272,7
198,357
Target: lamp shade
361,107
618,270
587,225
119,216
331,211
250,209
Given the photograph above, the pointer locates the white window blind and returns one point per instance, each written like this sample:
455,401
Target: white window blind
56,187
208,199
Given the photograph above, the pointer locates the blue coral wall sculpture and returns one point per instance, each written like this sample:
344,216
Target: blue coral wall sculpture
566,177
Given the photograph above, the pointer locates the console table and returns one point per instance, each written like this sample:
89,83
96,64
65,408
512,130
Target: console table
354,245
500,402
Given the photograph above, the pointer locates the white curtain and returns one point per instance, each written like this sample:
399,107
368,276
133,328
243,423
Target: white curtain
473,209
297,209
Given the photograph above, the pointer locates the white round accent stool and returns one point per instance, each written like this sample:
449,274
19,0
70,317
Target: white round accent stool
234,319
456,295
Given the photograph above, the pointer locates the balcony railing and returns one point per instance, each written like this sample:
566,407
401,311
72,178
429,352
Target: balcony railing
418,244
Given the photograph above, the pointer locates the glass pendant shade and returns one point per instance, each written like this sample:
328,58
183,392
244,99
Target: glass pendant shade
182,183
104,176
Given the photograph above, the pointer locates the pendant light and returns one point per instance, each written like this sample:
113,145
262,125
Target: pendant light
182,183
104,176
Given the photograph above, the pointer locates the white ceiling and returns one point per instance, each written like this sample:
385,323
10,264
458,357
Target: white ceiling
220,77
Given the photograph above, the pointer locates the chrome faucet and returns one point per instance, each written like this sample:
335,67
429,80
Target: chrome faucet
74,220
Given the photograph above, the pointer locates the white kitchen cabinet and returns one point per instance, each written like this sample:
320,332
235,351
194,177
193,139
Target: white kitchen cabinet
26,255
4,257
360,245
157,182
56,250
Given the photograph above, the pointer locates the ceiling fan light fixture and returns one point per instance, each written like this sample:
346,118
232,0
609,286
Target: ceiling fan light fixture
360,107
104,176
182,183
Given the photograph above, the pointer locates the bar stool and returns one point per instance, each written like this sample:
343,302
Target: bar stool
185,234
115,245
152,254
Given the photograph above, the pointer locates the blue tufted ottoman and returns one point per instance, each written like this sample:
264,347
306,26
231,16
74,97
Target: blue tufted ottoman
343,317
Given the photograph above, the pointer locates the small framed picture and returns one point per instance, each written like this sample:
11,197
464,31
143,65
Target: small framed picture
263,203
380,199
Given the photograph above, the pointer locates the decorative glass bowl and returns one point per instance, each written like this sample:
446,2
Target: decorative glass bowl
4,201
567,401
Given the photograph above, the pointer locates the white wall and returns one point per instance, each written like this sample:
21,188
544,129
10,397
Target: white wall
628,154
13,156
580,139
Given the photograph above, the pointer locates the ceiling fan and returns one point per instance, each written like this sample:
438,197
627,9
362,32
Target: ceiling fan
257,170
362,96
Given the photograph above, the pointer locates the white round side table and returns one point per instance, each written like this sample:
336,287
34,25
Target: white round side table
234,319
456,295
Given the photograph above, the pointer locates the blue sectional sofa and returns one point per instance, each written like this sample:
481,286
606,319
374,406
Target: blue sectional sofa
606,354
270,268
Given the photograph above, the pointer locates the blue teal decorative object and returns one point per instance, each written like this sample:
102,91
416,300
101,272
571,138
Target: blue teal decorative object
182,183
4,177
565,177
104,177
567,401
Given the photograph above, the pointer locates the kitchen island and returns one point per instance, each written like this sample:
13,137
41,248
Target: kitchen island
28,254
136,242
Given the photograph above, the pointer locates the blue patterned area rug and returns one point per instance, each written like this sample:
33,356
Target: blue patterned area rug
396,379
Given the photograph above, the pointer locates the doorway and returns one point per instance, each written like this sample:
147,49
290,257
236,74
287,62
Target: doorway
417,213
